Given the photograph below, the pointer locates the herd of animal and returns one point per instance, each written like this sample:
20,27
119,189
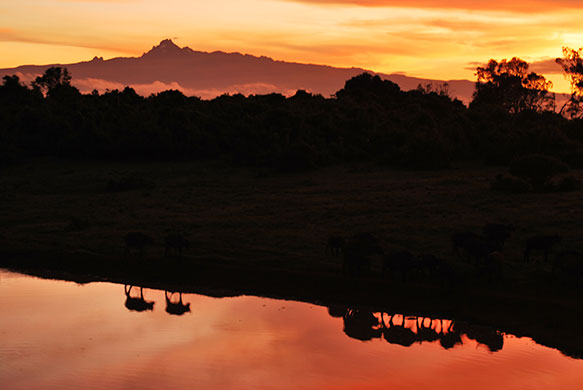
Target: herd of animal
136,242
485,249
139,303
407,330
361,251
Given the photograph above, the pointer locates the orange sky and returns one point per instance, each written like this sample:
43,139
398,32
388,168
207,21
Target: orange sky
425,38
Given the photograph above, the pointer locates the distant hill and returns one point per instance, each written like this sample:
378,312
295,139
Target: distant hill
168,66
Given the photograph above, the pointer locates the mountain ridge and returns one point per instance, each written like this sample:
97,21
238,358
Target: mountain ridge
209,74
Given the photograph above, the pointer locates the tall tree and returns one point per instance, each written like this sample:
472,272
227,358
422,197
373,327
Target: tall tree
54,78
572,63
508,84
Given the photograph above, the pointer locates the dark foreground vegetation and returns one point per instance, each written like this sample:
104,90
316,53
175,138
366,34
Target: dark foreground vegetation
513,114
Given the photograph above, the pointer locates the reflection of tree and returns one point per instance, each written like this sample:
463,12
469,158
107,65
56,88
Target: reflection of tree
176,308
137,303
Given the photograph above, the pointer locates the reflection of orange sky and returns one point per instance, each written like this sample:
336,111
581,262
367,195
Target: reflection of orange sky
59,335
430,39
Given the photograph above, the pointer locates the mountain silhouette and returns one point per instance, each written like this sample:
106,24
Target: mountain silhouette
204,74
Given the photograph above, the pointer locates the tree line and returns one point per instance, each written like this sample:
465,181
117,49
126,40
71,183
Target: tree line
512,114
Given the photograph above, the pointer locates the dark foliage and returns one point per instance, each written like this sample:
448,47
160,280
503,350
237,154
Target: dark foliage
370,119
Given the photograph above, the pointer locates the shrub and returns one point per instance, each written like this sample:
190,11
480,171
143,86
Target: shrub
537,169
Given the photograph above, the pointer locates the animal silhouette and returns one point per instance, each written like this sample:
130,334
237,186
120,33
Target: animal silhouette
175,243
569,265
542,243
483,335
176,308
337,311
397,334
358,253
138,304
475,247
451,337
334,245
402,262
424,332
498,233
137,241
361,325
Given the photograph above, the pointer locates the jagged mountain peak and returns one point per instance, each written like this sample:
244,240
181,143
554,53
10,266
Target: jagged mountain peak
166,47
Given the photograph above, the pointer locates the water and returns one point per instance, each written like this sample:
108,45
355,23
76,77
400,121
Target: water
60,335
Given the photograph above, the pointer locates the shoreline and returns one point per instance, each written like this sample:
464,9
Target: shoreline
550,319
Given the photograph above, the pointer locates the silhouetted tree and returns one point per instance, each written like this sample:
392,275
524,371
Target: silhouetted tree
52,79
509,84
572,63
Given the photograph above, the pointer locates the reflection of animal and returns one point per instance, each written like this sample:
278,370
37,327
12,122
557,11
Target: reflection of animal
137,241
361,325
175,242
176,308
137,303
335,245
426,333
483,335
337,311
542,243
450,338
397,334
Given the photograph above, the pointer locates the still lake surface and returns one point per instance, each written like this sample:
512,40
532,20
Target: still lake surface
61,335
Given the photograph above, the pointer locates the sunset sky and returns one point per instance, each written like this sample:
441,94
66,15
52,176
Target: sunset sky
441,39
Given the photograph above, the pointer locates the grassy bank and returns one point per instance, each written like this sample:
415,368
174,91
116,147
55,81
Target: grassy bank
257,233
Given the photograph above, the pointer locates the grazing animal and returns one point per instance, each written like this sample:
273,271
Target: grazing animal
429,263
175,242
357,254
542,243
497,233
401,262
492,266
475,246
137,241
137,303
335,245
569,264
176,308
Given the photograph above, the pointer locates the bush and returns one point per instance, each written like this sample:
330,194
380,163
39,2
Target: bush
537,169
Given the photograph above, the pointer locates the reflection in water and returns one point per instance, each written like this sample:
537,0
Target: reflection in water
176,308
247,343
137,303
407,330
